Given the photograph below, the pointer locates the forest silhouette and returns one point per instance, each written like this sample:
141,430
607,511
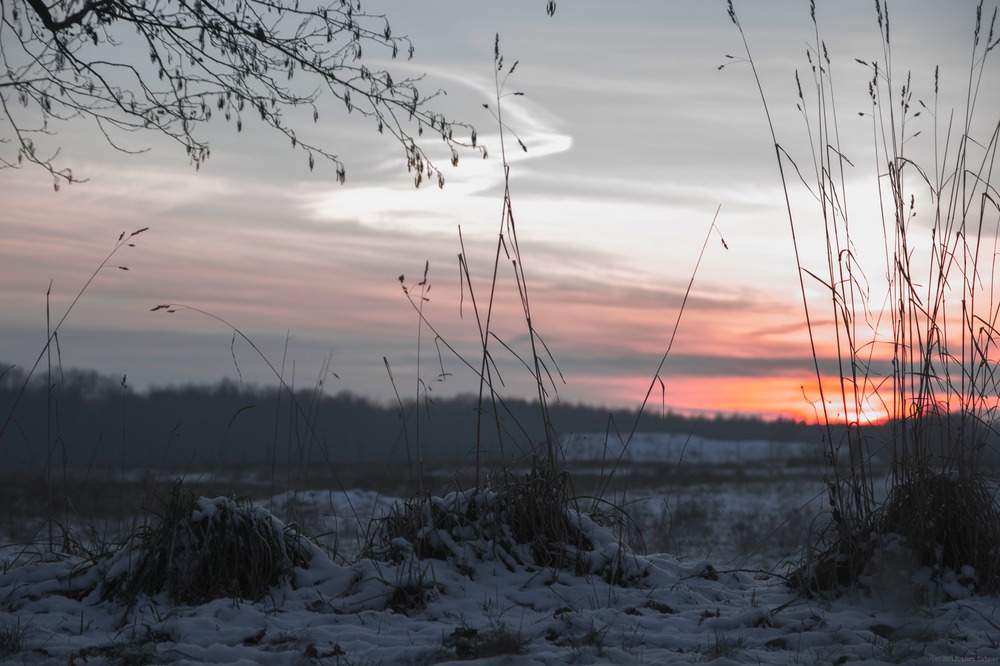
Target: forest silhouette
99,420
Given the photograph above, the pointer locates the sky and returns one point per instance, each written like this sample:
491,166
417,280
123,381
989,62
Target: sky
635,139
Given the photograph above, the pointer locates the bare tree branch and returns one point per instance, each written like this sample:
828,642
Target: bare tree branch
75,59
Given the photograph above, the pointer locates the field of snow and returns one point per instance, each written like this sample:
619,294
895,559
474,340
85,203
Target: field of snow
708,587
679,448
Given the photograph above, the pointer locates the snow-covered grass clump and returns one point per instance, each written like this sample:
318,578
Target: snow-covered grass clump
201,549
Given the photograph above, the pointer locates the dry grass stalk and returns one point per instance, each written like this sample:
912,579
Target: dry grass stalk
523,520
938,383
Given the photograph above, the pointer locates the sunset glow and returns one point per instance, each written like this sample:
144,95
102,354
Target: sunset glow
631,149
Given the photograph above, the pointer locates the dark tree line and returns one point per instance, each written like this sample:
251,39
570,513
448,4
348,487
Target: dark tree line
94,419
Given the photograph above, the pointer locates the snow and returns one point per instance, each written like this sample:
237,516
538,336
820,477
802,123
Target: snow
705,607
658,447
680,613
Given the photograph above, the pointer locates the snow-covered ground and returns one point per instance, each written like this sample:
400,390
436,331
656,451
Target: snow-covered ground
713,592
676,448
682,612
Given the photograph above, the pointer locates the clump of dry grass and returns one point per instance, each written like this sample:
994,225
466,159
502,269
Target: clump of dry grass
201,549
526,520
921,353
497,641
949,521
938,522
12,636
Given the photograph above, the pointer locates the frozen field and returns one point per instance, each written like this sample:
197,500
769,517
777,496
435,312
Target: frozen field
714,533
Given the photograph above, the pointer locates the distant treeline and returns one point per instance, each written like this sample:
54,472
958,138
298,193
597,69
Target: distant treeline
91,419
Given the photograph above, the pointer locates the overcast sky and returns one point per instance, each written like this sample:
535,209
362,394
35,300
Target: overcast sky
634,139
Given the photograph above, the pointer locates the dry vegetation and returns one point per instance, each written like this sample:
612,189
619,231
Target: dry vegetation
941,511
916,342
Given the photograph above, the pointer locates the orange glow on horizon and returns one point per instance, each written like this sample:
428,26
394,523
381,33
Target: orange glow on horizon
794,397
